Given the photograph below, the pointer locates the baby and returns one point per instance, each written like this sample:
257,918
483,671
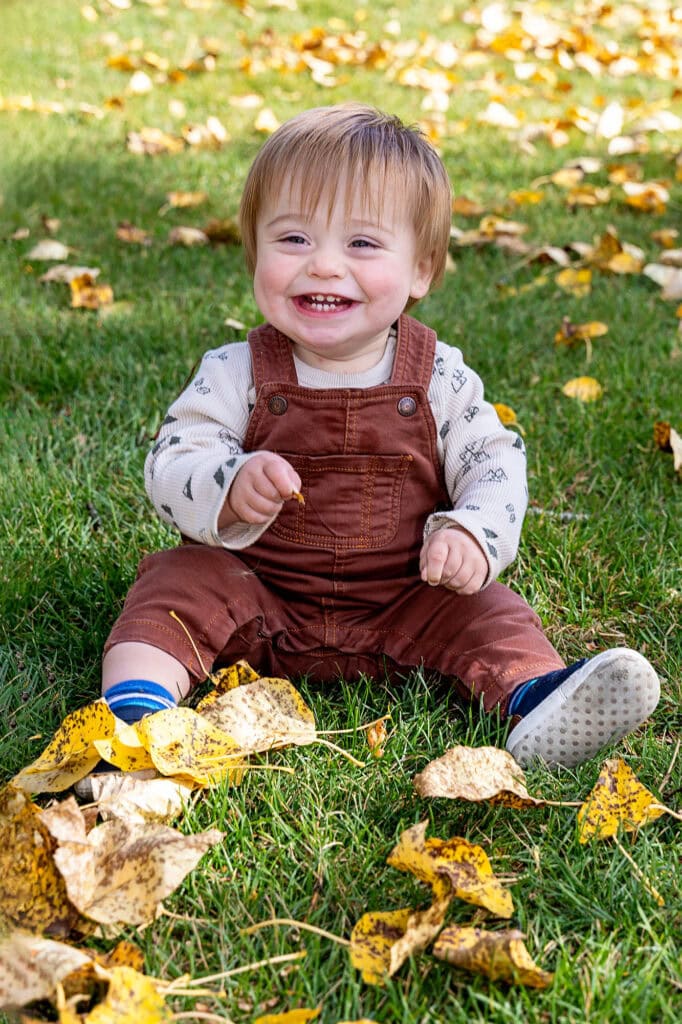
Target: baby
346,496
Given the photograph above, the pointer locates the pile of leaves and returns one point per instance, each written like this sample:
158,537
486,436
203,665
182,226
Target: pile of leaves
68,871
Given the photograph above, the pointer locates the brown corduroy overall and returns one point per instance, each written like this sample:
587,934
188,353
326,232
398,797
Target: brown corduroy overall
332,588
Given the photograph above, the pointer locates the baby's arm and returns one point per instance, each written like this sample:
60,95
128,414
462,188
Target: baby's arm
198,467
485,476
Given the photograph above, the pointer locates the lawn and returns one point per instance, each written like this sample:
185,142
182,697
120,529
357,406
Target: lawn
509,101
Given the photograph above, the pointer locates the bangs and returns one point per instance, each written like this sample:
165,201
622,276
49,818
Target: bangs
354,153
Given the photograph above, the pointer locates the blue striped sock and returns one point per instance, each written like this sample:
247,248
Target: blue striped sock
132,699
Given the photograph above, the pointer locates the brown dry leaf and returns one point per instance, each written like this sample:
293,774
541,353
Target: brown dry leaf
153,142
501,956
567,177
49,249
382,940
376,739
570,333
629,261
137,800
577,282
223,232
669,278
87,294
71,753
63,273
262,715
119,873
453,867
605,247
585,389
550,254
647,196
617,801
464,207
589,195
476,773
184,744
31,967
188,237
492,226
32,891
662,435
301,1016
89,982
181,200
666,237
127,232
671,258
266,121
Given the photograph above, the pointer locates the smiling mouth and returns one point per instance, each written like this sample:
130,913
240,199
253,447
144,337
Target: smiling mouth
320,303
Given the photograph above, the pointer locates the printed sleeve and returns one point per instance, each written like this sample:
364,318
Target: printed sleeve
199,450
484,463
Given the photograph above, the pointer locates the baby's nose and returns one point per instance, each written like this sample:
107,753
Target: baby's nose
326,262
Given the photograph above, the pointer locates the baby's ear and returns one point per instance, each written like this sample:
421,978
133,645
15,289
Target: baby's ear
422,277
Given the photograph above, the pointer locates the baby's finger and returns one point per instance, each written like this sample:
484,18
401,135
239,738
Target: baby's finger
434,561
283,477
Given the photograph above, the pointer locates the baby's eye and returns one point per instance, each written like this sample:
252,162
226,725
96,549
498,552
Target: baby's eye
294,239
363,243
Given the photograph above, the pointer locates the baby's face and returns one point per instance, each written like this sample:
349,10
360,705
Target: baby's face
335,284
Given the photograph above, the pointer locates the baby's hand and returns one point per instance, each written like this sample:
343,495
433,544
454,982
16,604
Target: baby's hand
453,559
259,489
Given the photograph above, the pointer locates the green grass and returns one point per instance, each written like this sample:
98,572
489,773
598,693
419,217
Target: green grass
82,395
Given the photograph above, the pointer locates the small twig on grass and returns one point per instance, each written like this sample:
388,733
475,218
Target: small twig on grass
357,728
640,874
340,750
200,1015
281,959
295,924
662,807
666,777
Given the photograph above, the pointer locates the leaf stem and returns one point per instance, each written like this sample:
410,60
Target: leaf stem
295,924
340,750
358,728
640,874
281,959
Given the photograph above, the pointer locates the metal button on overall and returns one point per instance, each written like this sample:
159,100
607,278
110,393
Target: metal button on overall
278,405
407,406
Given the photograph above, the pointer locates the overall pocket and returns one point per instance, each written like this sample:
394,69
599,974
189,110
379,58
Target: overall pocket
351,501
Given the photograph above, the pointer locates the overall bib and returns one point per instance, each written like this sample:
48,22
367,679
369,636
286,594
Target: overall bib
332,588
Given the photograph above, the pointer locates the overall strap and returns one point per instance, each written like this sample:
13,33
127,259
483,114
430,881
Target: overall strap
271,356
415,353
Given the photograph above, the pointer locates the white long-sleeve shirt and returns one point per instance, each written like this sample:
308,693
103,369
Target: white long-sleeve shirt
201,442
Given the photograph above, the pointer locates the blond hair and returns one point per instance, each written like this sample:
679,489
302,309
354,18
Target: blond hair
318,147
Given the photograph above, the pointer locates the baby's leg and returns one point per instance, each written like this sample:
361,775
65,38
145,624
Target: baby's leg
133,660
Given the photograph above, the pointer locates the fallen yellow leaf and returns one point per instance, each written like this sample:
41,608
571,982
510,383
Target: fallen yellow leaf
476,773
261,715
186,745
577,282
618,801
585,389
382,940
301,1016
32,891
501,956
86,294
453,867
72,752
118,873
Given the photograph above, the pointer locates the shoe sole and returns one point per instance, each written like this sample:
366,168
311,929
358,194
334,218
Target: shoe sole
604,700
